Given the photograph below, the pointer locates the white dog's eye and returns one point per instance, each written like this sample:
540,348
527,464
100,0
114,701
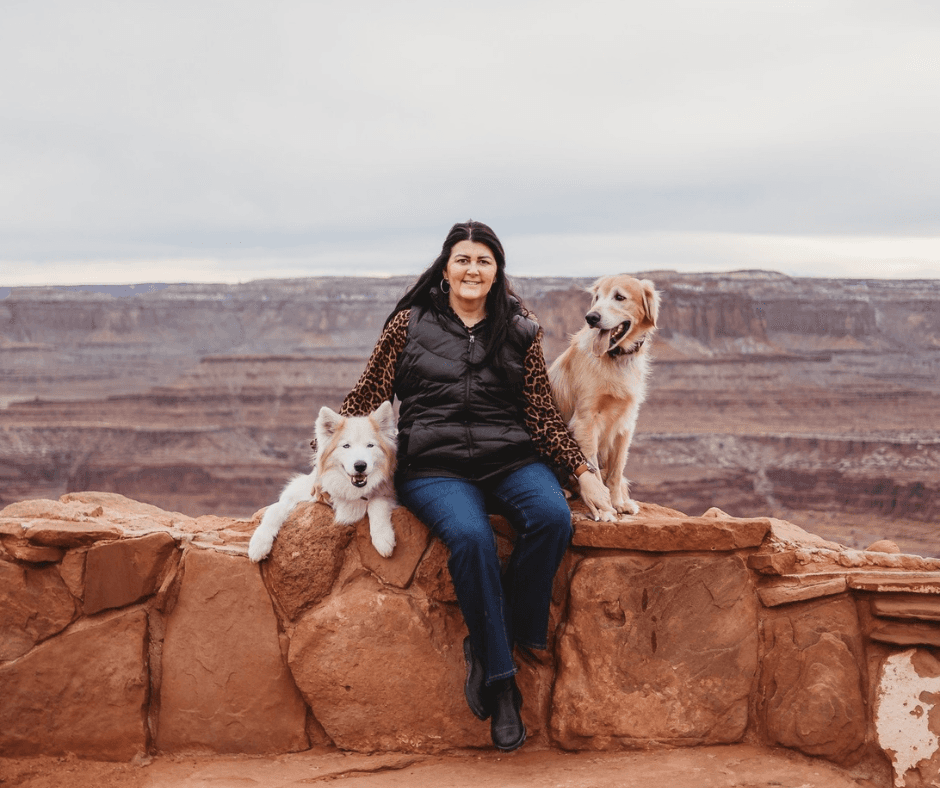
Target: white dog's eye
345,445
369,445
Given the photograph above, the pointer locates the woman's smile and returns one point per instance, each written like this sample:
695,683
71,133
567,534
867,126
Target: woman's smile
469,275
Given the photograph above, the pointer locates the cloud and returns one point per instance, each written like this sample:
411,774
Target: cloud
183,131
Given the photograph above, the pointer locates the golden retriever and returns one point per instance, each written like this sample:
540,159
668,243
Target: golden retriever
599,382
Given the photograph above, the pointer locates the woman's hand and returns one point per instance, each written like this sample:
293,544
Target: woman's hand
597,497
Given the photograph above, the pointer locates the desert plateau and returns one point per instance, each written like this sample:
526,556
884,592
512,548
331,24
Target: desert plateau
813,400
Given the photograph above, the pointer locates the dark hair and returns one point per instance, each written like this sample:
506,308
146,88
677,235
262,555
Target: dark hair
502,303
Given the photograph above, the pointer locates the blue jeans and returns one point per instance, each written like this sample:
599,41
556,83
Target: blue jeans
499,611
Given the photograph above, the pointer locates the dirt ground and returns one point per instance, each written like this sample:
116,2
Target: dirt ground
734,766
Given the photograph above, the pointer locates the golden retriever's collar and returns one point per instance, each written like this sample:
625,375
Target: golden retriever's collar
619,351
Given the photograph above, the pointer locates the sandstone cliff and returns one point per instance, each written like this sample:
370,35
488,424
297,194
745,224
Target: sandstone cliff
814,400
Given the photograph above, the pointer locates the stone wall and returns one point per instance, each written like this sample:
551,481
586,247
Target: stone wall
126,629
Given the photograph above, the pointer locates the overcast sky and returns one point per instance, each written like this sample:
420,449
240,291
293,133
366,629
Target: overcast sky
229,141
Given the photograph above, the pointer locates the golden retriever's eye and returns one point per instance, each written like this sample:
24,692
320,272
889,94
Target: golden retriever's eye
620,297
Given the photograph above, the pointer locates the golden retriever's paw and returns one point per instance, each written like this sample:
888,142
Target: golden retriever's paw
383,540
607,515
628,506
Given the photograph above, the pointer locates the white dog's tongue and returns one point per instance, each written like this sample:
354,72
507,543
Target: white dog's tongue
601,342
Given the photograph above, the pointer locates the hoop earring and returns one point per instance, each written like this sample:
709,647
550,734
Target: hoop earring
445,290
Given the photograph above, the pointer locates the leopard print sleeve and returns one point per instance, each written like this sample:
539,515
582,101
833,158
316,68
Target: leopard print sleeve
376,384
542,417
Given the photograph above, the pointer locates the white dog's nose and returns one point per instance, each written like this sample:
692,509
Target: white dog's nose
360,466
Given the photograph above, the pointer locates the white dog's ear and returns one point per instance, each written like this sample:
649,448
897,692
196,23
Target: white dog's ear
650,300
384,418
327,422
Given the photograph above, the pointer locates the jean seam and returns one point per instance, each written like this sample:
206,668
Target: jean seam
506,675
538,646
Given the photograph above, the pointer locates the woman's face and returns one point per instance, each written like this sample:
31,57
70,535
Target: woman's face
470,271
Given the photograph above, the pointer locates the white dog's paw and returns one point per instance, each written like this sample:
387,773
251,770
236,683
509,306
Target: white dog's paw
260,545
383,540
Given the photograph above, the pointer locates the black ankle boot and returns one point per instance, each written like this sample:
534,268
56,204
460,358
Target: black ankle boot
479,697
506,727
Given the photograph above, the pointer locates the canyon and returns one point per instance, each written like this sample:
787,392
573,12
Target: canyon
816,401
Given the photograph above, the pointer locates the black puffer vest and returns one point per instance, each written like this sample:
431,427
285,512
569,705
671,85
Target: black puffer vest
454,419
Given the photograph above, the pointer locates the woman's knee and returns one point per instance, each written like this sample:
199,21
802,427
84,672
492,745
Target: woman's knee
469,539
553,516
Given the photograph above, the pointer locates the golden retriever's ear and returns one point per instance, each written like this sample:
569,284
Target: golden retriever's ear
650,300
592,289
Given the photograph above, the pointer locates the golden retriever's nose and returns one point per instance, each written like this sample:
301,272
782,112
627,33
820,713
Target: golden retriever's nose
593,318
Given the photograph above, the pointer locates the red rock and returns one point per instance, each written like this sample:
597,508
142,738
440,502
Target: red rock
22,550
896,582
225,685
786,534
800,589
34,605
133,516
810,678
72,571
656,650
777,563
60,533
411,540
907,633
923,607
84,692
383,670
11,526
306,558
672,534
43,509
433,576
647,510
716,513
536,678
231,531
819,710
883,546
123,572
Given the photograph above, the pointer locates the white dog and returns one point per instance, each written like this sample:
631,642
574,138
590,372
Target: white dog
599,382
352,471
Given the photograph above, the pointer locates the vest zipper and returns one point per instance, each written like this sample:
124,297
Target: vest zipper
470,451
466,402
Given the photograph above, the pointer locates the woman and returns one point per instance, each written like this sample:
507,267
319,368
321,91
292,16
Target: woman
476,417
